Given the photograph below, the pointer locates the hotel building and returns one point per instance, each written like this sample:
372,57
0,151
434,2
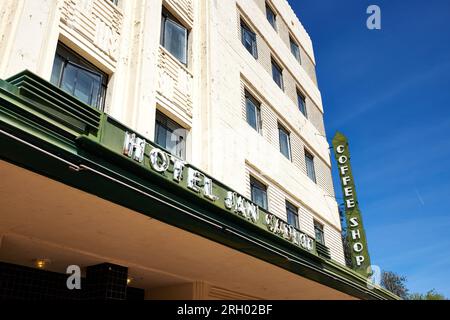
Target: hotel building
170,149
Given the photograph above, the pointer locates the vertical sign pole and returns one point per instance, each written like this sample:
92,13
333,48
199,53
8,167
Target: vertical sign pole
355,230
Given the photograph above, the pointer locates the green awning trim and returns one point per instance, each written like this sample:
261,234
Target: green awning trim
45,130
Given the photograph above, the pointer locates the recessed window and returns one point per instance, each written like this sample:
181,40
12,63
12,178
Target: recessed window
75,75
310,171
170,135
302,103
295,49
285,143
248,38
277,74
174,37
292,214
271,16
259,193
253,111
318,231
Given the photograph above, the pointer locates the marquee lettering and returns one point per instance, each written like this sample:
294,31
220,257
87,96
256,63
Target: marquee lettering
196,181
355,233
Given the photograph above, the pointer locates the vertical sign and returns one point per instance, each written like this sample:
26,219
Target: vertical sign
355,231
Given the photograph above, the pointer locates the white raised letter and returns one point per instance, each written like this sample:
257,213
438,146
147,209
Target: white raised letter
342,159
348,192
178,166
193,179
356,234
359,260
155,156
354,222
207,189
345,180
344,170
350,203
340,148
230,199
358,247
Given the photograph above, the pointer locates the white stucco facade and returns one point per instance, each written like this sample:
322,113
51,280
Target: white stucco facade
205,96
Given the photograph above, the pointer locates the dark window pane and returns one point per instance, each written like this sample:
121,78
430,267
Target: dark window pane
253,112
271,17
81,83
259,193
319,234
277,74
295,49
310,171
87,87
249,40
69,77
292,215
175,39
78,77
161,135
170,135
302,104
284,142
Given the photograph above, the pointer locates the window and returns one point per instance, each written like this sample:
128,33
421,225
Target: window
277,74
302,103
249,39
174,37
318,231
78,77
259,193
285,143
170,135
310,171
253,111
271,16
295,49
292,214
115,2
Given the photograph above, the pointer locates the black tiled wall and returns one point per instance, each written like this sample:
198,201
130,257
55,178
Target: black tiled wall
103,282
107,281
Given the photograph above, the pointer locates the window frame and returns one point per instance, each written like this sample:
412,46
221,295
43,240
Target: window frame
319,228
68,57
294,42
245,27
256,184
310,156
249,98
170,125
302,97
275,65
167,16
282,129
271,11
293,210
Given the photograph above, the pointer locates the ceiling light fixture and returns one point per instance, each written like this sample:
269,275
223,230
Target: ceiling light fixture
41,263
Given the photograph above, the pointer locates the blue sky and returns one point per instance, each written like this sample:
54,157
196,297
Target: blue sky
388,90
